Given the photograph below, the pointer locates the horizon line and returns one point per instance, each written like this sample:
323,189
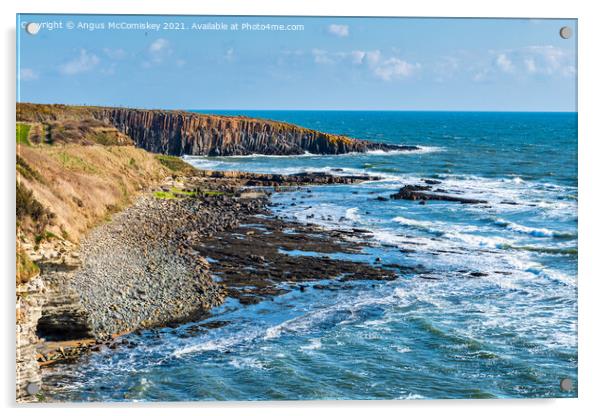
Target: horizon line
384,110
310,109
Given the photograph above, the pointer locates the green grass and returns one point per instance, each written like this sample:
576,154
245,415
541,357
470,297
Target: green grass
75,163
164,195
177,191
26,269
23,134
45,236
176,165
105,137
174,193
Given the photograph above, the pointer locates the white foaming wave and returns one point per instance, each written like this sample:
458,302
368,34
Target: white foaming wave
550,274
425,244
378,323
481,241
517,179
421,150
556,205
260,155
314,344
247,362
380,152
220,344
533,268
306,322
411,396
352,214
387,237
203,163
560,277
413,223
535,232
436,227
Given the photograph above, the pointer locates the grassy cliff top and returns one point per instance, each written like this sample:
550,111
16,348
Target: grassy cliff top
29,112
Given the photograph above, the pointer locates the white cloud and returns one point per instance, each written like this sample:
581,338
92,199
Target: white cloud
158,45
84,62
394,68
230,55
521,63
323,57
357,57
504,63
341,31
158,51
548,60
530,65
386,68
115,54
28,74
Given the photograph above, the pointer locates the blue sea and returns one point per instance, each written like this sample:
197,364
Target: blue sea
509,333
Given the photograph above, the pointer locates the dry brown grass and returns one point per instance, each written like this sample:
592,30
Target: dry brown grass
83,185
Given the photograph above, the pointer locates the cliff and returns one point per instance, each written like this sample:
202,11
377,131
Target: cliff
179,132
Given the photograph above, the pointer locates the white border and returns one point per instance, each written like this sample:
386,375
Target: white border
590,136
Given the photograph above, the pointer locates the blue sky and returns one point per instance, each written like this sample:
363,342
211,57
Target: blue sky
332,64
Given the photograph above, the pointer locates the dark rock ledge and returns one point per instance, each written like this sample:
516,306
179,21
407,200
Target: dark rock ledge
426,193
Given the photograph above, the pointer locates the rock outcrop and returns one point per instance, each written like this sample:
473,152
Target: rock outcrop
425,193
30,299
180,132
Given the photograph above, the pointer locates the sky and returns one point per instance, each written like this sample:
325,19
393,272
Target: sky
319,63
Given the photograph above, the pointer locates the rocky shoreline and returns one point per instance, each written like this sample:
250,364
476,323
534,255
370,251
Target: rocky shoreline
179,251
185,246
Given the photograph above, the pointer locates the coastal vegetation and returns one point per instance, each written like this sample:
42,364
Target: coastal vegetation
23,134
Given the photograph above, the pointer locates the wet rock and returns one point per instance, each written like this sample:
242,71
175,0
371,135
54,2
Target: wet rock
421,193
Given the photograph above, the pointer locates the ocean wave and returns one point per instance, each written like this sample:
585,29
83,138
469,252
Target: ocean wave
412,396
552,275
420,150
475,240
535,232
261,155
380,152
247,362
439,228
567,251
343,312
314,344
352,214
220,344
413,223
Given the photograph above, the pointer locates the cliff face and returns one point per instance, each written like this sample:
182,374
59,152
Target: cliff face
178,132
30,299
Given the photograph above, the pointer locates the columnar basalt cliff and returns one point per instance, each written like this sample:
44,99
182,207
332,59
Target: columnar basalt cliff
179,132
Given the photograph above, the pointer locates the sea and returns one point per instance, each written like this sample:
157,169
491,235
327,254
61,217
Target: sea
493,314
